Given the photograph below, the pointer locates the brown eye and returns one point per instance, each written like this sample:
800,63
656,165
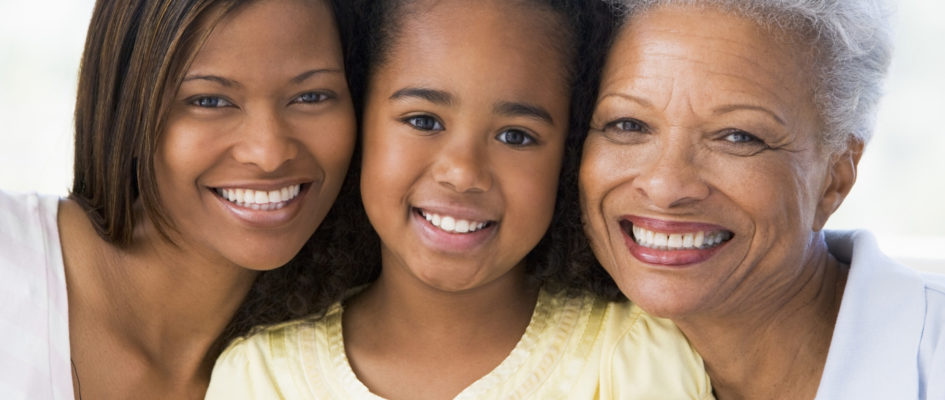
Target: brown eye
210,102
515,137
311,98
741,137
625,125
424,123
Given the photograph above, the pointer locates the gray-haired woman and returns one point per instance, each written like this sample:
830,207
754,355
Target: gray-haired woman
725,135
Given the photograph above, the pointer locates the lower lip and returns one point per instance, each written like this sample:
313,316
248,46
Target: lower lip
266,219
669,258
447,242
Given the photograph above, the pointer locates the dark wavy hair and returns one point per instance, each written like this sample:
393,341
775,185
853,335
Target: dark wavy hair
136,54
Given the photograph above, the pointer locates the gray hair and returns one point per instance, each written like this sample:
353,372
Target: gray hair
851,40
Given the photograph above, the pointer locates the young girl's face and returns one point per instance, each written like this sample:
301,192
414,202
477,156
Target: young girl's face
464,131
259,135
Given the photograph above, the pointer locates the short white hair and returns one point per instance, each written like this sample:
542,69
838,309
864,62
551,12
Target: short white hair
851,39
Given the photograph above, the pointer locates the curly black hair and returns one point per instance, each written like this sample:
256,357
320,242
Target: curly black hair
344,252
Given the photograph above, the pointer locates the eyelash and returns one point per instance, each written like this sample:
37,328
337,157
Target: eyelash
322,96
426,123
415,122
527,139
220,102
638,126
199,102
748,138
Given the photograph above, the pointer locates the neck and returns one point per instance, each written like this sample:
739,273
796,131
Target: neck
167,304
776,348
399,300
401,330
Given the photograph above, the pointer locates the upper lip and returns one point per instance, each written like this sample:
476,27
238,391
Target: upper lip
660,225
262,185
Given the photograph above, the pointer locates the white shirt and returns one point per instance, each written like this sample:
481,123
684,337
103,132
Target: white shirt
889,340
34,314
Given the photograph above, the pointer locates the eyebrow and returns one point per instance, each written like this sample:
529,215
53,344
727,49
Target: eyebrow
524,110
232,83
434,96
735,107
718,111
213,78
308,74
630,97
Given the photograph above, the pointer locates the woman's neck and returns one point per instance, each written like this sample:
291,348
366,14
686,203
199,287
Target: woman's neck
156,305
775,350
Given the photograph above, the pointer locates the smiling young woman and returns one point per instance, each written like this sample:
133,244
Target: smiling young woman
212,138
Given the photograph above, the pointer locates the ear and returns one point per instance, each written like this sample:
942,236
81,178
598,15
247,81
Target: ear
842,176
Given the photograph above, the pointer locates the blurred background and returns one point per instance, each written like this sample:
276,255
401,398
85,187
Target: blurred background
899,194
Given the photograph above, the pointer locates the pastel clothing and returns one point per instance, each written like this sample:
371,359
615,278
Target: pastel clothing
573,348
34,310
889,340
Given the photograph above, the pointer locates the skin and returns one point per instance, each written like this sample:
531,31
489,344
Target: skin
445,296
142,319
715,124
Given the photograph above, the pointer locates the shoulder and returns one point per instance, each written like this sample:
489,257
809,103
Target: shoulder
264,346
270,362
932,343
888,336
27,221
649,357
34,357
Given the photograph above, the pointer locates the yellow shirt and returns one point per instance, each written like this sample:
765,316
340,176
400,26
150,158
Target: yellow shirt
574,348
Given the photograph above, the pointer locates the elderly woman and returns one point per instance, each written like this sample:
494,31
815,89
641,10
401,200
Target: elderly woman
725,134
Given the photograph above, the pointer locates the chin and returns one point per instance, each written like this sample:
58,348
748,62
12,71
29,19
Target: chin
450,282
262,260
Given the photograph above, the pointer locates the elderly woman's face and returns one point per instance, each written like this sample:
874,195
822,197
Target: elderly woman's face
703,178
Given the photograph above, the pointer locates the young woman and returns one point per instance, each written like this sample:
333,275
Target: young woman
467,127
211,139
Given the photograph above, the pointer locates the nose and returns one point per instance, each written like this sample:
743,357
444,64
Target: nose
462,165
265,141
671,177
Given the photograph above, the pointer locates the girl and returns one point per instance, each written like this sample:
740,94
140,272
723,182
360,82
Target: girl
467,127
211,139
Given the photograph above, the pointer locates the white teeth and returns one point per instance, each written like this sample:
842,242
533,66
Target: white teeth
452,224
675,241
678,241
447,223
261,199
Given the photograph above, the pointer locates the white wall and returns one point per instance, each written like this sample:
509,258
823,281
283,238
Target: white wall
899,193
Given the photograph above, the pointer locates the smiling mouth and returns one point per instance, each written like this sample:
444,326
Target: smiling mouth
261,200
452,224
696,240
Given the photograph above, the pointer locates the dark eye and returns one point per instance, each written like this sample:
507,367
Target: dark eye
740,143
515,137
210,102
625,125
625,131
424,123
741,137
311,97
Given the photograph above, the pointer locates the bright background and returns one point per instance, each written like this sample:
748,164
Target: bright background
899,194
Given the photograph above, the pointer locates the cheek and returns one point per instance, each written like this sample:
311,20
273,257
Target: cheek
604,169
771,195
332,145
390,164
182,151
530,189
